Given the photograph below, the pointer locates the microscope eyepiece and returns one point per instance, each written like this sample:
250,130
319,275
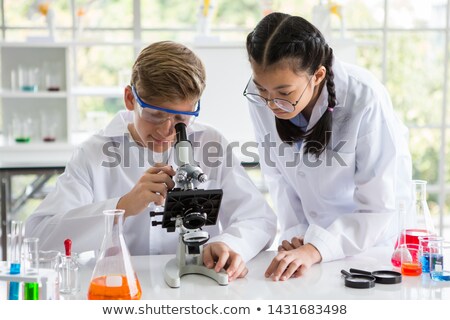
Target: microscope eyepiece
180,128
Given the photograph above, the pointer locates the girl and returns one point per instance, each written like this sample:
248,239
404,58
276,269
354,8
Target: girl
334,154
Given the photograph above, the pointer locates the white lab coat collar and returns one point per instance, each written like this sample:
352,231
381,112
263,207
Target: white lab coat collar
119,124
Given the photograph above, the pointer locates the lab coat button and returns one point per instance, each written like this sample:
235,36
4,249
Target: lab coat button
301,174
313,214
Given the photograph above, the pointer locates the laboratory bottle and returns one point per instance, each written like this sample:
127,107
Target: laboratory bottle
69,282
113,277
413,223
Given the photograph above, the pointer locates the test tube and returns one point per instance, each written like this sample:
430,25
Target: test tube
16,249
31,289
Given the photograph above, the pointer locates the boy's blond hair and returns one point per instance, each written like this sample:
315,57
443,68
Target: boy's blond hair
170,71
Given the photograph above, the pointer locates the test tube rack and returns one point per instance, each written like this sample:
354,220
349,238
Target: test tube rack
47,278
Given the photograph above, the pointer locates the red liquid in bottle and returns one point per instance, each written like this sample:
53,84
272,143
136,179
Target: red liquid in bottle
411,236
98,290
408,236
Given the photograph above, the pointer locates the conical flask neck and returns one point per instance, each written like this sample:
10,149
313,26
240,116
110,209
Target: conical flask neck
422,212
420,190
113,223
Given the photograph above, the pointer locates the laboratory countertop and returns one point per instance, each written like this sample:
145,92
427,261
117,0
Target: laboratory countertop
322,281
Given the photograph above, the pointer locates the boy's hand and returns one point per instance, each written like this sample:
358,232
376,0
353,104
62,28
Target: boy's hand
151,187
218,255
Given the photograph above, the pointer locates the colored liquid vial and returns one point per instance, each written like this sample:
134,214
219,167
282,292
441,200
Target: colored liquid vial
114,277
409,236
31,291
441,276
440,260
414,223
16,251
15,268
113,288
425,260
411,269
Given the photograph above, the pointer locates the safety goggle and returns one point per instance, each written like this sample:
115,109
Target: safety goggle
157,115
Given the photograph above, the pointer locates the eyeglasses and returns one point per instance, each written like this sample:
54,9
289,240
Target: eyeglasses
157,115
283,104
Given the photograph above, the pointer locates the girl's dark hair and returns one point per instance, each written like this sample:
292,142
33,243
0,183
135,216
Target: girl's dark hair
282,37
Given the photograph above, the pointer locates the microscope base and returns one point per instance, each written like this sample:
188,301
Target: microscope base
173,273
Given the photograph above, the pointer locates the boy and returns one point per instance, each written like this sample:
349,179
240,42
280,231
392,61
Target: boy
114,169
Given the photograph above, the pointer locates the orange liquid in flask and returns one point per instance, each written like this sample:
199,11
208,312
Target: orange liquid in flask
98,289
411,269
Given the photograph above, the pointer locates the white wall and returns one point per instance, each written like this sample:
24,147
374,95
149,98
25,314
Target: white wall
223,105
227,72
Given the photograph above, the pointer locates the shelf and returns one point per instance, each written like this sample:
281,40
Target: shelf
34,114
114,92
36,146
34,153
32,95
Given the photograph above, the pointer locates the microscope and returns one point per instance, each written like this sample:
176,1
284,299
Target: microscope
188,209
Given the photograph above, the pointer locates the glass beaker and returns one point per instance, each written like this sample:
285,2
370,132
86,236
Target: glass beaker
53,76
426,250
51,260
440,261
114,277
414,223
31,257
410,260
49,122
22,129
28,78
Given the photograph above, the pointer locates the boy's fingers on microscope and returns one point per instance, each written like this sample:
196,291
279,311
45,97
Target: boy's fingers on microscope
208,260
158,199
242,271
160,164
234,262
221,262
166,169
161,178
160,188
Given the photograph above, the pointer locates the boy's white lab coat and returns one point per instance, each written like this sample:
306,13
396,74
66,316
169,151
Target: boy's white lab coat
345,201
108,165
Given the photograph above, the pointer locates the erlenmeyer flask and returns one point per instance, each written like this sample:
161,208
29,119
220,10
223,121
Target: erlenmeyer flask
114,277
414,223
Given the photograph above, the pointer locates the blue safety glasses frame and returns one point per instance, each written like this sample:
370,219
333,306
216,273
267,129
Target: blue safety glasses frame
145,105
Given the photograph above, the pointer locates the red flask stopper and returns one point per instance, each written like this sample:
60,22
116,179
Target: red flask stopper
68,247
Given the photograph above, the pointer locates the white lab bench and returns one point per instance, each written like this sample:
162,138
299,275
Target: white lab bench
322,281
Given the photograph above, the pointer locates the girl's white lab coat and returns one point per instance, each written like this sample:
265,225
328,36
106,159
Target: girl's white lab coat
344,201
108,165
